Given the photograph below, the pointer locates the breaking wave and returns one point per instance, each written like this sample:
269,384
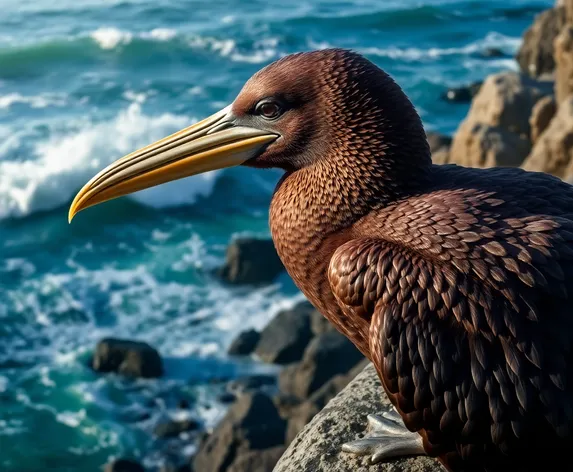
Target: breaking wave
64,162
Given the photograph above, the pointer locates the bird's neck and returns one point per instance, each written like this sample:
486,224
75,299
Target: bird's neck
313,212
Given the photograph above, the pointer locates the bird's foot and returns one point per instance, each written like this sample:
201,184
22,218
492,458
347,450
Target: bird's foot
386,437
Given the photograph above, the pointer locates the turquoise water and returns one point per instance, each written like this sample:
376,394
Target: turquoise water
82,83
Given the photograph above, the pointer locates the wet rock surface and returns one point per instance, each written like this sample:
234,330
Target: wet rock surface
251,261
251,425
245,343
125,357
327,355
285,338
463,94
173,428
124,465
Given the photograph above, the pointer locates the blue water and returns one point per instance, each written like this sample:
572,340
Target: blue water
84,81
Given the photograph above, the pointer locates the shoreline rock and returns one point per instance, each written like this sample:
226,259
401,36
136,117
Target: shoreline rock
129,358
317,447
535,56
252,427
251,261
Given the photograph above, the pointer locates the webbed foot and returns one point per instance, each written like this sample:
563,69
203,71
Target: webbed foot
386,437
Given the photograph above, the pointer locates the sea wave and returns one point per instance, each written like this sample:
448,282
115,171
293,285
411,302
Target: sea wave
64,162
506,44
109,37
35,101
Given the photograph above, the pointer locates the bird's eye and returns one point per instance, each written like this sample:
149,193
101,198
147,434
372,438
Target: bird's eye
269,110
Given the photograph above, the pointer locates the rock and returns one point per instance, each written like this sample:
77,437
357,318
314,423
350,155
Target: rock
129,358
286,404
124,465
488,146
438,141
176,468
463,94
183,404
250,383
568,5
251,424
317,447
284,339
535,56
173,428
439,147
258,461
326,356
245,343
496,130
227,397
564,65
541,115
251,261
441,156
300,416
492,53
553,151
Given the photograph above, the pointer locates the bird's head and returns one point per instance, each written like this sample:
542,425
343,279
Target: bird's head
300,110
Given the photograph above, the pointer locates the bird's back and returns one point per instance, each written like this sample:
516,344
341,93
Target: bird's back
468,286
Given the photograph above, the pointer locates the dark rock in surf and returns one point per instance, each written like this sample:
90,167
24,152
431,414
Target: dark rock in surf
251,426
124,465
251,261
285,338
245,343
129,358
326,356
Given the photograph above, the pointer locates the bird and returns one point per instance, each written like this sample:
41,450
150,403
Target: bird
455,282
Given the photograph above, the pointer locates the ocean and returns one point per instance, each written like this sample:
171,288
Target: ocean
83,82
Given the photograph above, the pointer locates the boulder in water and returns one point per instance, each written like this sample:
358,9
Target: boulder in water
251,261
129,358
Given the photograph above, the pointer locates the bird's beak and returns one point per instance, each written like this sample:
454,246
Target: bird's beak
214,143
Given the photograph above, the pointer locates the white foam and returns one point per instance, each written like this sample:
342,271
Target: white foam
263,49
71,418
507,44
37,101
67,161
110,37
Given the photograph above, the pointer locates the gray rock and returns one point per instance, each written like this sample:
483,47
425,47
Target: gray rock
463,94
317,448
327,355
250,383
251,261
173,428
245,343
251,425
258,461
124,465
301,414
129,358
285,338
319,324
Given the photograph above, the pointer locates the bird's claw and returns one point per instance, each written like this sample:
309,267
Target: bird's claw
386,437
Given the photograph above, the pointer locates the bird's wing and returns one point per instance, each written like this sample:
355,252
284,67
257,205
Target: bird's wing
471,336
